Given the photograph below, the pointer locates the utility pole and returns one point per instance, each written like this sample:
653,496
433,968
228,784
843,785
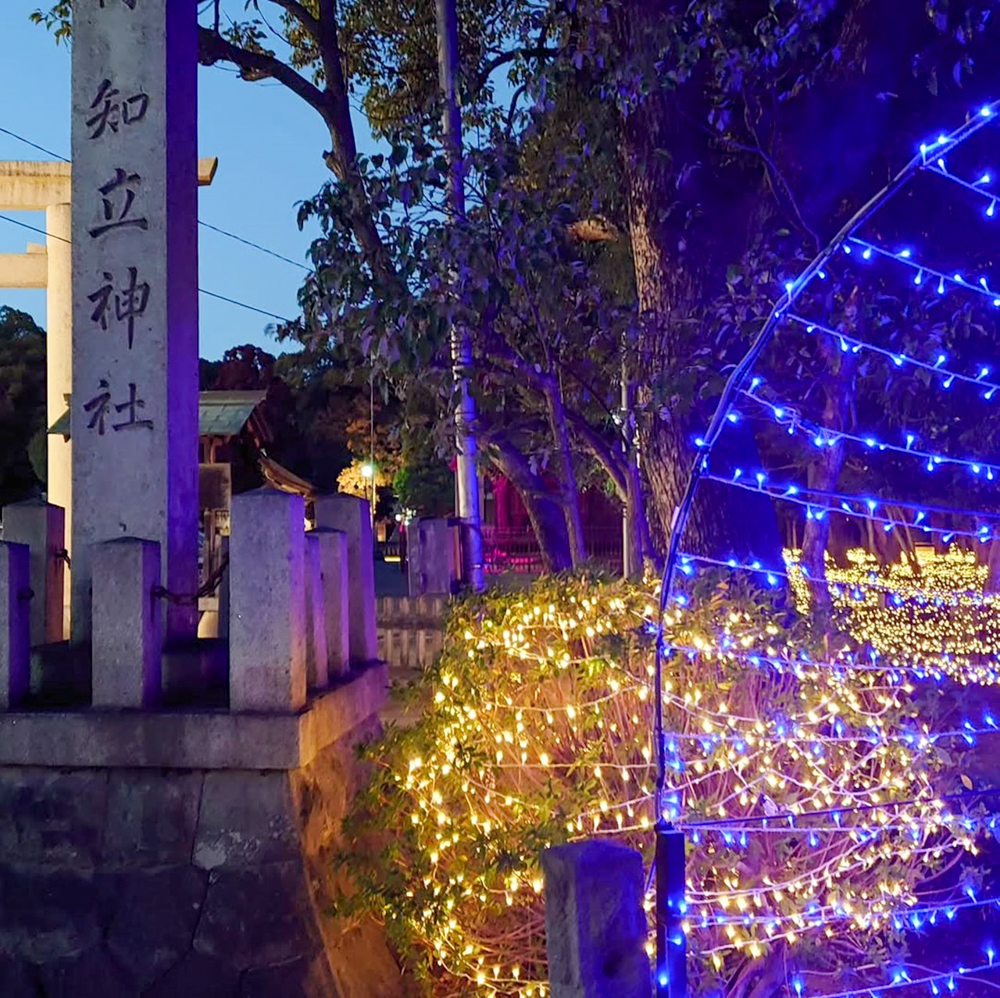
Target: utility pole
461,343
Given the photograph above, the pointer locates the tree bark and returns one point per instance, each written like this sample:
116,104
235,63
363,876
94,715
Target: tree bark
679,264
544,511
823,473
567,483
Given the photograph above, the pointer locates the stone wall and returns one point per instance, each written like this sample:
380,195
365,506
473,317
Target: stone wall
182,883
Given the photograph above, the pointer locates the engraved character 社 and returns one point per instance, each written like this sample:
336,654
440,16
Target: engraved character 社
133,403
98,406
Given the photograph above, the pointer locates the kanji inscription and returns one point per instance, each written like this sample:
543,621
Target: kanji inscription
100,406
111,110
124,304
118,199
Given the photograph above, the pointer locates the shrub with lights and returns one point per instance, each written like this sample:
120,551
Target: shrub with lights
536,728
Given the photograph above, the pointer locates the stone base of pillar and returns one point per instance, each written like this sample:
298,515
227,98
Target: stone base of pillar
183,875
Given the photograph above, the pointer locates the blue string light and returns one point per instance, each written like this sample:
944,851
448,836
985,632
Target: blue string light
947,980
817,504
905,257
817,510
799,667
817,916
976,186
950,597
899,359
823,436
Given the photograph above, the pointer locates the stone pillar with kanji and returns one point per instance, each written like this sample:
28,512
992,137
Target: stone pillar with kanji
135,301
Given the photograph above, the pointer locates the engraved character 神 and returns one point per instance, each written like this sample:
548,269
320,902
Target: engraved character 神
129,302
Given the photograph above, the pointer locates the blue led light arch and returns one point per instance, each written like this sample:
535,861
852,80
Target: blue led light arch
931,158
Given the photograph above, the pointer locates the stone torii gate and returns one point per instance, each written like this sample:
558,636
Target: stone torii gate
46,186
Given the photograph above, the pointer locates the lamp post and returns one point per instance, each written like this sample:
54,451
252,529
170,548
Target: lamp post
368,471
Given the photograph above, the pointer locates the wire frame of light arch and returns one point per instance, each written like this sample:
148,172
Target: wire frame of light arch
931,158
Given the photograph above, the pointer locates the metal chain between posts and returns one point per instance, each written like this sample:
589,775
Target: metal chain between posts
206,589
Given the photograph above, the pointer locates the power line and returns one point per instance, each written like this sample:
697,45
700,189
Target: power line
34,145
210,294
252,308
33,228
256,246
207,225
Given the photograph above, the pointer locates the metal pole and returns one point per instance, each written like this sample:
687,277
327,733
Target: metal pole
461,343
671,943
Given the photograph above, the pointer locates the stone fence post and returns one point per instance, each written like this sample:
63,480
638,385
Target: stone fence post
595,926
127,624
333,561
430,558
15,625
41,526
267,602
317,654
353,516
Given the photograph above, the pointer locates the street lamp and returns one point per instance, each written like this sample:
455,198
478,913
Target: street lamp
368,471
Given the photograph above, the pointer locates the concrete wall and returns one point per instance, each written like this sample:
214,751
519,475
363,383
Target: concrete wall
182,884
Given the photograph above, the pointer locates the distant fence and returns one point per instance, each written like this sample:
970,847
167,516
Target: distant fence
518,550
410,630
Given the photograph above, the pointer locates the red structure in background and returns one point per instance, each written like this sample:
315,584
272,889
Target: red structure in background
509,543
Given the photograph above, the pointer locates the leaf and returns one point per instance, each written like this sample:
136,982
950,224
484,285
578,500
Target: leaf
966,782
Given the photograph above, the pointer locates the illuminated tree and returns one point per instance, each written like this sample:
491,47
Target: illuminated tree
537,728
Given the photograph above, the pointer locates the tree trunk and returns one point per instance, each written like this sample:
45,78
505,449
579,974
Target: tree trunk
992,586
567,482
544,512
679,264
823,472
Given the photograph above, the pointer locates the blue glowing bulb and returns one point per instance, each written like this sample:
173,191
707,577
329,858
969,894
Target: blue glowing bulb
992,210
940,287
941,359
848,250
867,255
919,279
984,179
905,254
985,111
